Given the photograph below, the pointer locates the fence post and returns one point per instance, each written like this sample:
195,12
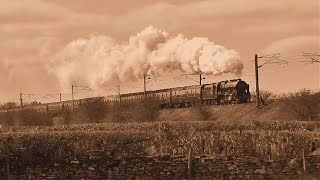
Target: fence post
203,145
303,161
8,167
190,164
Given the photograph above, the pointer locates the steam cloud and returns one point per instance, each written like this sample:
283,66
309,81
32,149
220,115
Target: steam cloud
100,60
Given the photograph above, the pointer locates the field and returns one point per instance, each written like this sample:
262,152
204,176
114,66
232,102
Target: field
113,142
225,141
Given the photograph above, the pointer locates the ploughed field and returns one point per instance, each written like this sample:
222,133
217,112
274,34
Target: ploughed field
230,148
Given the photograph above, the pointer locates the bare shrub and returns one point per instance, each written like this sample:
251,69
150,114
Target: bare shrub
253,97
8,105
304,104
268,96
265,96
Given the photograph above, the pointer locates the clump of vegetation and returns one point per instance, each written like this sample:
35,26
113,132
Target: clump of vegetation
304,104
8,105
266,97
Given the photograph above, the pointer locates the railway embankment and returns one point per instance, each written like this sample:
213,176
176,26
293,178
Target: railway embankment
237,113
301,107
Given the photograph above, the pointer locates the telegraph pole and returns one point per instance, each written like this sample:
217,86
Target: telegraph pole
21,101
60,97
271,59
256,67
119,93
72,97
200,82
144,87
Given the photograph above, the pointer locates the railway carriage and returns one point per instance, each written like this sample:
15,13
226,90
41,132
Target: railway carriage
162,96
185,96
113,99
137,96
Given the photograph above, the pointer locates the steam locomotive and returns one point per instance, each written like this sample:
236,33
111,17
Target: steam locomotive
225,92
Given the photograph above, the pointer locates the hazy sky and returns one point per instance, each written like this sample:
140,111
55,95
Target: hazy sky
32,30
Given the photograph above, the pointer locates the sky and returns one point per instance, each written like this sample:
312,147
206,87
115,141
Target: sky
32,31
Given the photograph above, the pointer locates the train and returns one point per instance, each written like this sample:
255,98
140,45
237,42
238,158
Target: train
225,92
234,91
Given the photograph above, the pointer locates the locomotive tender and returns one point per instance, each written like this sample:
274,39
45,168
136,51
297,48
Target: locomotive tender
225,92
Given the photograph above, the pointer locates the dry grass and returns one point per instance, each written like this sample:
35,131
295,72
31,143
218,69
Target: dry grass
266,140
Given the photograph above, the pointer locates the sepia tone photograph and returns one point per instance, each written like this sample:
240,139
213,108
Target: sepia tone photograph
160,89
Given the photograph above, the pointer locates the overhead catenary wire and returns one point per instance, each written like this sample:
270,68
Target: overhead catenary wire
269,59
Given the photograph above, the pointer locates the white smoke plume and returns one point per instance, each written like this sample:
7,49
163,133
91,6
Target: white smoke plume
100,60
